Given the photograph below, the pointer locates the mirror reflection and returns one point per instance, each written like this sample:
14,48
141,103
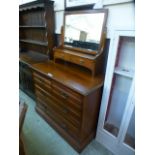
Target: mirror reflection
83,30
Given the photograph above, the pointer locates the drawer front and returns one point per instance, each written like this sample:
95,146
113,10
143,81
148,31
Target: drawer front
44,86
61,55
74,59
40,79
59,120
44,91
74,107
66,93
72,104
58,107
82,61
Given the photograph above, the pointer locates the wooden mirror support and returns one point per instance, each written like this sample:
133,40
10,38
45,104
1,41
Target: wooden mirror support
90,59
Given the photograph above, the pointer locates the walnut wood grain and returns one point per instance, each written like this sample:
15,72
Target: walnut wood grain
73,79
69,100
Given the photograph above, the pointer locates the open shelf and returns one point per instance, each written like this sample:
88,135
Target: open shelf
32,26
34,42
123,72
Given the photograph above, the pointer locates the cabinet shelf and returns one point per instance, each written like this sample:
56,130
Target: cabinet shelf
35,5
123,72
32,26
36,42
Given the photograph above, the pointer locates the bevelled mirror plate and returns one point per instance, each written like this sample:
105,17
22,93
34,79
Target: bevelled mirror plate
84,29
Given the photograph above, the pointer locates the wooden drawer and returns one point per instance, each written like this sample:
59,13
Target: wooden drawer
40,79
74,59
74,107
61,55
63,123
72,116
44,91
67,102
66,93
81,61
44,86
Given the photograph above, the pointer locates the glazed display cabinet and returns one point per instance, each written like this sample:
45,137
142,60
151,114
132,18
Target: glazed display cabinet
116,126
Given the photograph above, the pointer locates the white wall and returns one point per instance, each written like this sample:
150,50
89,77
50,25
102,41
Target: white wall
121,14
120,17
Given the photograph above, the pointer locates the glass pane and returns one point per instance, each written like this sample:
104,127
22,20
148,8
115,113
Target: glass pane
78,30
126,54
130,135
117,102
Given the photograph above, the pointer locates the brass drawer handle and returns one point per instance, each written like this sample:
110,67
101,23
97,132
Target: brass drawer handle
64,95
81,61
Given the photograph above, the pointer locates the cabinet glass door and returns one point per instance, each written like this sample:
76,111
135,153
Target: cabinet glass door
116,120
130,134
117,103
121,84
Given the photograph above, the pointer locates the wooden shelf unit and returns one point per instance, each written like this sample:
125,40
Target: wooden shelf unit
36,42
36,20
36,39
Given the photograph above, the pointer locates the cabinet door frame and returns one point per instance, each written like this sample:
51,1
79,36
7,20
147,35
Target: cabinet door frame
115,144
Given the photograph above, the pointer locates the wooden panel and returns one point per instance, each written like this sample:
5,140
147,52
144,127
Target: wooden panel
82,61
36,24
75,142
76,80
76,112
42,85
68,101
61,110
42,79
32,17
33,34
33,47
61,55
63,123
26,80
74,59
65,92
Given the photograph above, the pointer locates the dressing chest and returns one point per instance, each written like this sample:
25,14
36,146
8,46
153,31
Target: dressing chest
68,100
68,86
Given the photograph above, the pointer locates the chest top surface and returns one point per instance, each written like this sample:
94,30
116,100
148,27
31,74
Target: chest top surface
77,80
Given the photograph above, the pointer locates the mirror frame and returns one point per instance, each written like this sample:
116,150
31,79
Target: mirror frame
102,36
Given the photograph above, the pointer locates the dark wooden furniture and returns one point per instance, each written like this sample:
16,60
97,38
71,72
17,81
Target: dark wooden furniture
26,79
81,52
36,29
69,100
68,97
36,38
